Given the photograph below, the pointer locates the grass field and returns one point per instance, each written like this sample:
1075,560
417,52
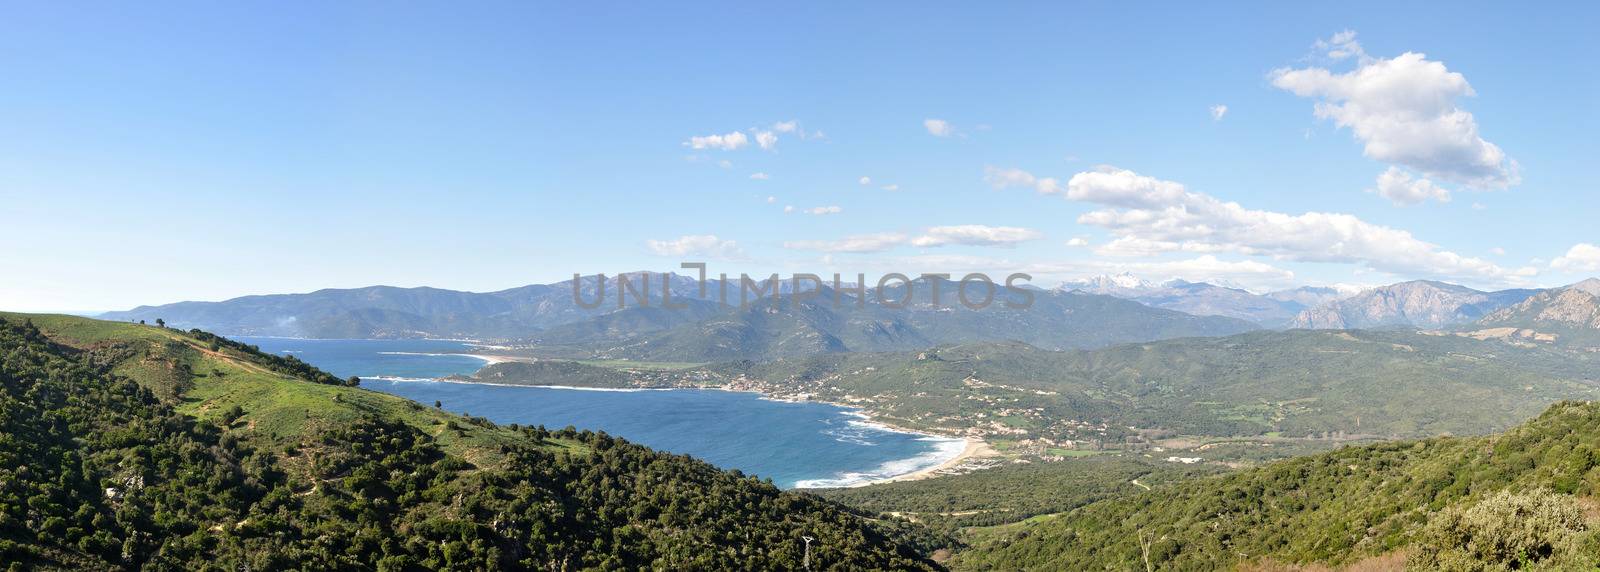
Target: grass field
211,383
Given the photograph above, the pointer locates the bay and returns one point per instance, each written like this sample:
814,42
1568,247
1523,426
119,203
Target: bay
794,444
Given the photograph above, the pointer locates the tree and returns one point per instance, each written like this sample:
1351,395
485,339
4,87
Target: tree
353,382
160,323
438,404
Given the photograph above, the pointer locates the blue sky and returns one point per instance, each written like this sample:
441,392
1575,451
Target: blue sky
178,151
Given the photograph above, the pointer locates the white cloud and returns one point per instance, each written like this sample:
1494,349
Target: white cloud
1150,216
786,126
1251,274
788,208
1404,111
938,127
860,243
865,180
1007,178
706,245
725,142
1077,242
1582,257
1217,111
932,237
760,176
828,210
766,139
771,199
726,164
890,187
975,235
1400,188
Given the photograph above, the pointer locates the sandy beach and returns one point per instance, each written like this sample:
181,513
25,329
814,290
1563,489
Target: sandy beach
494,359
976,449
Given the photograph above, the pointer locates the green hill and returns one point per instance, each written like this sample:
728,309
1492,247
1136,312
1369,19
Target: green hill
128,446
1515,501
1294,383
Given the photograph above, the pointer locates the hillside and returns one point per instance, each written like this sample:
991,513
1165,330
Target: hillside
1519,500
1567,316
768,329
1419,303
1294,383
130,446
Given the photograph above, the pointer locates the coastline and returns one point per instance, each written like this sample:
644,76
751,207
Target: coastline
973,447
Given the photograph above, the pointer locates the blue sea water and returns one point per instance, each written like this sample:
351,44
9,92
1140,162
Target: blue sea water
794,444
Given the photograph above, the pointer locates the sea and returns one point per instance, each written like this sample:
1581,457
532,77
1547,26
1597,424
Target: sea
797,445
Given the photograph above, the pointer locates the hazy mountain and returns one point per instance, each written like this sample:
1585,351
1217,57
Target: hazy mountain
1419,303
1055,320
1570,315
1204,299
1312,296
1124,285
390,312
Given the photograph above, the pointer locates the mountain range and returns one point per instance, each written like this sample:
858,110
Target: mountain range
1271,310
1418,303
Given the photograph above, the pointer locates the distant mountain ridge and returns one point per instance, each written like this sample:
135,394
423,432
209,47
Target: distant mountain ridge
1418,303
392,312
702,329
1273,309
1567,315
780,328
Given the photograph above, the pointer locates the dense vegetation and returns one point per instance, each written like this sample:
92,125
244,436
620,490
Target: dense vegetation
1294,383
249,468
1013,492
1457,503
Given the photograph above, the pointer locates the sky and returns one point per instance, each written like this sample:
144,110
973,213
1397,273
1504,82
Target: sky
158,152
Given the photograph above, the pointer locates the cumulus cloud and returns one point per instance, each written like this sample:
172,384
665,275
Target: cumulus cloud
703,245
1404,111
1582,257
1217,111
938,127
1250,274
786,126
827,210
1149,216
890,187
975,235
760,176
859,243
1404,190
766,140
1008,178
1077,242
865,180
772,199
725,142
932,237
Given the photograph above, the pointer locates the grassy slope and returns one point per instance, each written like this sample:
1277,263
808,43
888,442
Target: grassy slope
1333,508
276,406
